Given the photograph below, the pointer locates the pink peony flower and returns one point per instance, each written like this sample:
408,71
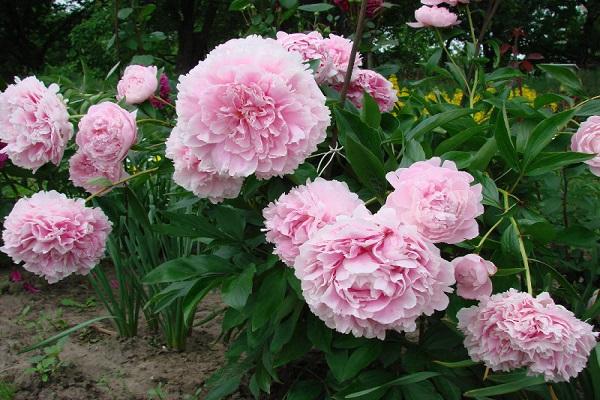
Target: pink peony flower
106,133
368,273
587,140
382,91
164,90
472,275
513,330
310,47
3,156
192,174
83,172
137,84
55,236
449,2
251,107
438,199
34,123
294,217
437,17
338,50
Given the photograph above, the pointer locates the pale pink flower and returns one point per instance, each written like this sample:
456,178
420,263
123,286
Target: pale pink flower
106,133
294,217
437,17
83,172
55,236
366,274
587,140
373,83
34,123
449,2
338,50
251,107
438,199
192,174
472,275
137,84
310,47
513,330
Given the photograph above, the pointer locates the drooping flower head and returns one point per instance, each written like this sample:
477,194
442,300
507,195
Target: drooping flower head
294,217
191,174
251,107
55,236
137,84
91,176
34,123
437,17
587,140
367,273
106,133
472,275
513,330
373,83
438,199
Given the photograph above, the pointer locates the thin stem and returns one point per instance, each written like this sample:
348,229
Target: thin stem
487,234
371,201
76,116
493,7
154,121
451,59
120,182
161,100
564,199
553,395
471,27
521,247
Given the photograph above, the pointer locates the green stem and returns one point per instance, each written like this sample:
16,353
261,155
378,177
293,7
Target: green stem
120,182
487,234
462,75
161,100
521,246
471,27
154,121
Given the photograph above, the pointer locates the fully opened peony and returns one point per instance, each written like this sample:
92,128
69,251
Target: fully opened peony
55,236
513,330
191,174
251,107
310,46
373,83
367,273
294,217
438,199
34,123
137,84
338,50
472,275
106,133
587,140
437,17
83,172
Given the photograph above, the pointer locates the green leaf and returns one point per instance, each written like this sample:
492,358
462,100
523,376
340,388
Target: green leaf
405,380
319,334
369,113
543,134
589,108
546,162
239,5
562,281
184,268
288,3
457,140
124,13
457,364
303,173
305,390
434,121
142,59
565,75
317,7
484,155
350,125
504,140
490,193
550,98
269,298
509,242
508,271
361,358
503,74
505,388
235,292
230,221
577,236
368,168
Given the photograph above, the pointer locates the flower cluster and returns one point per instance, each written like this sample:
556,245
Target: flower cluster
137,84
430,15
250,107
365,273
587,140
333,54
106,133
34,123
513,330
55,236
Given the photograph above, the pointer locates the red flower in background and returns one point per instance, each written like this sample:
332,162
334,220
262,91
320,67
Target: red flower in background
373,6
3,156
519,60
164,89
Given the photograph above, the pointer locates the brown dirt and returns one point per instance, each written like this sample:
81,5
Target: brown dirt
99,366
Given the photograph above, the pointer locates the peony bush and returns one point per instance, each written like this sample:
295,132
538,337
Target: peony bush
368,241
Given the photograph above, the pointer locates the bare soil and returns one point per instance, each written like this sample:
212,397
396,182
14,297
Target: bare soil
99,365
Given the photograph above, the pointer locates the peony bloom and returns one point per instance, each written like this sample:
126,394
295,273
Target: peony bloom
106,133
310,47
472,275
437,17
368,273
338,49
587,140
191,174
294,217
83,172
513,330
137,84
3,156
34,123
251,107
382,90
55,236
438,199
164,90
449,2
